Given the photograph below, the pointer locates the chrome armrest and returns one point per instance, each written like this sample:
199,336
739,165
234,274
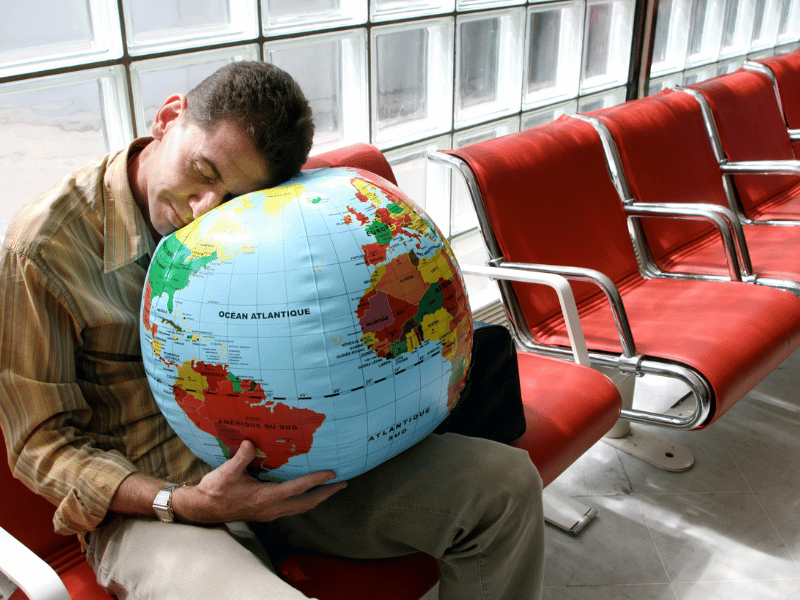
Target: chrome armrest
727,224
764,167
794,135
514,272
21,568
565,298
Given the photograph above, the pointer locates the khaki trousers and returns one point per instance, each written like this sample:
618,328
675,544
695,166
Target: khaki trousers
474,504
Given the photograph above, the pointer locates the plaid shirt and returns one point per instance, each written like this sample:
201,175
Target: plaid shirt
75,407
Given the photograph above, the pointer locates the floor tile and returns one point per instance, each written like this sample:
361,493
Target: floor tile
761,435
599,472
783,510
734,590
615,548
714,469
657,591
782,382
433,594
716,537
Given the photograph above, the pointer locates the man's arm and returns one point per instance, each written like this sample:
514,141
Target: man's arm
228,493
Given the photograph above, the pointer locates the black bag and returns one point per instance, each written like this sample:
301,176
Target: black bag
490,405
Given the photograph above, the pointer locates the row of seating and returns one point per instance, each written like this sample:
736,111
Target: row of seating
630,204
676,217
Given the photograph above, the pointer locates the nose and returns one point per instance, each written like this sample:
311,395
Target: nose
204,200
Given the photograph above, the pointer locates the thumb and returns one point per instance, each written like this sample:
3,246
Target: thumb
243,456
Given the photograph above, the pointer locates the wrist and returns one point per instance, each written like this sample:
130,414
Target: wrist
191,505
163,502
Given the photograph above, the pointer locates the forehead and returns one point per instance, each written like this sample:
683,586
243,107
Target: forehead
230,150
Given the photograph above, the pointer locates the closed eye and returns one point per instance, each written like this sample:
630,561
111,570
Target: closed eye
205,172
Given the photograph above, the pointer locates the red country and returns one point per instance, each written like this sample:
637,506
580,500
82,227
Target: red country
278,430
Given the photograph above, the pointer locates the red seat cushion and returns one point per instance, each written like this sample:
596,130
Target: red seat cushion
568,408
333,578
751,127
733,333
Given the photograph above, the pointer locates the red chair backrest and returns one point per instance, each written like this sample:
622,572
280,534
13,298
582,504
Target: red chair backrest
667,157
25,515
751,127
786,68
360,156
550,200
29,518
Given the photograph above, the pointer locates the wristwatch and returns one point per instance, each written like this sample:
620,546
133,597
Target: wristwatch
162,505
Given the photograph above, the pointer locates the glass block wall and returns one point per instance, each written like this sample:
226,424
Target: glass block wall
79,78
700,39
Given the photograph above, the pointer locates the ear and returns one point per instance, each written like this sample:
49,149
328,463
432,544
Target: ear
173,109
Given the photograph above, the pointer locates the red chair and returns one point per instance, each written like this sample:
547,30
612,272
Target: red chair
785,72
663,155
547,204
755,150
568,408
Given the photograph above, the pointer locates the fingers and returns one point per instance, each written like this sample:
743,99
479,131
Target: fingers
294,487
268,501
298,504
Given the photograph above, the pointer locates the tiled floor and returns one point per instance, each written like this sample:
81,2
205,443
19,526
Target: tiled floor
728,529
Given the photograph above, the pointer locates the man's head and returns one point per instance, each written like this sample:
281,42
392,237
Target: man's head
247,127
267,103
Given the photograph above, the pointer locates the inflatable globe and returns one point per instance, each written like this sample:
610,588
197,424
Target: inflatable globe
325,320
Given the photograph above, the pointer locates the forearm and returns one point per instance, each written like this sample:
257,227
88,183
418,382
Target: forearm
135,495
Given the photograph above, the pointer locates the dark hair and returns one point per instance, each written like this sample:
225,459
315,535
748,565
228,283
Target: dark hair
268,103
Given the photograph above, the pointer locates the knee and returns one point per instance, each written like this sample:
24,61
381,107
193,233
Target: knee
501,474
518,482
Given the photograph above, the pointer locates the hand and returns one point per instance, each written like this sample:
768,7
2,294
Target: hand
230,493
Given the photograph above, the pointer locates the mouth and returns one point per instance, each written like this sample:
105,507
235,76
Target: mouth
178,220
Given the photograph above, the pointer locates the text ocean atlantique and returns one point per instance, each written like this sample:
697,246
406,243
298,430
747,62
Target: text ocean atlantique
267,315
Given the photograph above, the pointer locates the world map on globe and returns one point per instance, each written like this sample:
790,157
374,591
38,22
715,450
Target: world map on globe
326,320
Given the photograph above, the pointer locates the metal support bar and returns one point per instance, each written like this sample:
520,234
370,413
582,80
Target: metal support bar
566,513
565,298
728,225
21,568
762,167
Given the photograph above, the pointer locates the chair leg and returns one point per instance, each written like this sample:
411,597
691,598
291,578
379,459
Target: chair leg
566,513
641,443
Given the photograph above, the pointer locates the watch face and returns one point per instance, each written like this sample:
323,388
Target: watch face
162,505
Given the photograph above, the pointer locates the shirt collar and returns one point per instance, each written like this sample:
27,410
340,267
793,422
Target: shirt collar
127,236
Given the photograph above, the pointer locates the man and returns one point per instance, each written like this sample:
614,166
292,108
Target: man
83,429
